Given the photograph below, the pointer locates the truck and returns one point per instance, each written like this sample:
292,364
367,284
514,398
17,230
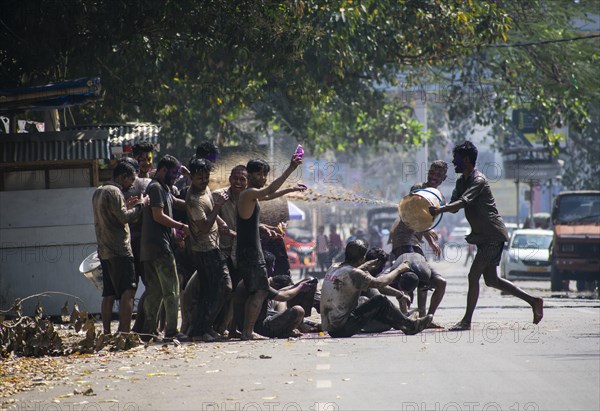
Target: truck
575,249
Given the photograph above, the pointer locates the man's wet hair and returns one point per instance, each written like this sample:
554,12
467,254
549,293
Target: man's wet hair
133,162
207,149
377,253
466,149
238,168
280,281
142,147
200,165
168,161
124,168
355,251
269,262
440,164
408,281
255,166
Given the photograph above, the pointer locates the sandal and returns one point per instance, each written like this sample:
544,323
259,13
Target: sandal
460,326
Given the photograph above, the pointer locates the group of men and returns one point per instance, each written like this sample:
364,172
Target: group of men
230,289
138,237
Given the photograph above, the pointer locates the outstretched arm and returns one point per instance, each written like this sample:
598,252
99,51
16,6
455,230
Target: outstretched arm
386,279
448,208
287,293
277,194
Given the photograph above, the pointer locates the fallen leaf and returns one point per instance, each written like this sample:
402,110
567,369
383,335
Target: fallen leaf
65,395
160,374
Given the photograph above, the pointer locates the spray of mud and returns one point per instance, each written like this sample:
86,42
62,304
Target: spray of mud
317,192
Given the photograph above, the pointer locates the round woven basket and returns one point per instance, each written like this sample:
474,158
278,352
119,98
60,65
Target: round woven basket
414,208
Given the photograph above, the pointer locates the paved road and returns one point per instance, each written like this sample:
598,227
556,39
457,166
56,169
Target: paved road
503,363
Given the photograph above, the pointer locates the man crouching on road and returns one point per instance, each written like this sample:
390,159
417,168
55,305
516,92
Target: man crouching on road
341,315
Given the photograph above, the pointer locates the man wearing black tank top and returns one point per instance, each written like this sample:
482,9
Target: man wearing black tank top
250,259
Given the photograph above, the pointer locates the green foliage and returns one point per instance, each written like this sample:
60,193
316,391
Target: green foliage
323,71
310,67
547,65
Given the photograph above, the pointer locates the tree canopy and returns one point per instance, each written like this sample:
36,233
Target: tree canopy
193,66
320,69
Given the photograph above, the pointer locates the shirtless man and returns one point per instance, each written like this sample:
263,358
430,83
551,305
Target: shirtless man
341,314
250,259
488,233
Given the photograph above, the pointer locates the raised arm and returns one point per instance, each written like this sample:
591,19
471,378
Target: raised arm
251,194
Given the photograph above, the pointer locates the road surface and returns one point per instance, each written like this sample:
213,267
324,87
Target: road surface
504,363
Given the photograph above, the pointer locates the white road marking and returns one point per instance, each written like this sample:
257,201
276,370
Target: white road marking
324,384
321,367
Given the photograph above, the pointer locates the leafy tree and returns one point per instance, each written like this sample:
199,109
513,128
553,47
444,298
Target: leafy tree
316,68
547,65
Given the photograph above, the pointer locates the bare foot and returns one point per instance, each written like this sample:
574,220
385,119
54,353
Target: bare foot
214,334
206,337
295,333
253,336
234,334
418,325
434,325
538,310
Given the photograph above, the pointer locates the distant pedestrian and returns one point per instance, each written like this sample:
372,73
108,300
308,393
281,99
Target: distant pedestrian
322,248
336,244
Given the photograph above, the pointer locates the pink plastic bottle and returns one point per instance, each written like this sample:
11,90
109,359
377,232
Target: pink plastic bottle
299,152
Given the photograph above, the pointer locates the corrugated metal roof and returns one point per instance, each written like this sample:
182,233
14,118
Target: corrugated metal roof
127,134
56,145
87,142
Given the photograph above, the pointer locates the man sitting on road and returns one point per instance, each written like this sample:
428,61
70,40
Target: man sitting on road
271,322
342,316
402,288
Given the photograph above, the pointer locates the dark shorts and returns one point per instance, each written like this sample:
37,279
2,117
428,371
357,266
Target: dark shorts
118,275
278,325
487,254
254,276
421,267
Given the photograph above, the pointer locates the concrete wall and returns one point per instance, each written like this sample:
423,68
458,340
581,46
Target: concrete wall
44,236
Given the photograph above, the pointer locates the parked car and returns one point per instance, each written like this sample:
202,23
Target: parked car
300,245
456,238
527,256
510,227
